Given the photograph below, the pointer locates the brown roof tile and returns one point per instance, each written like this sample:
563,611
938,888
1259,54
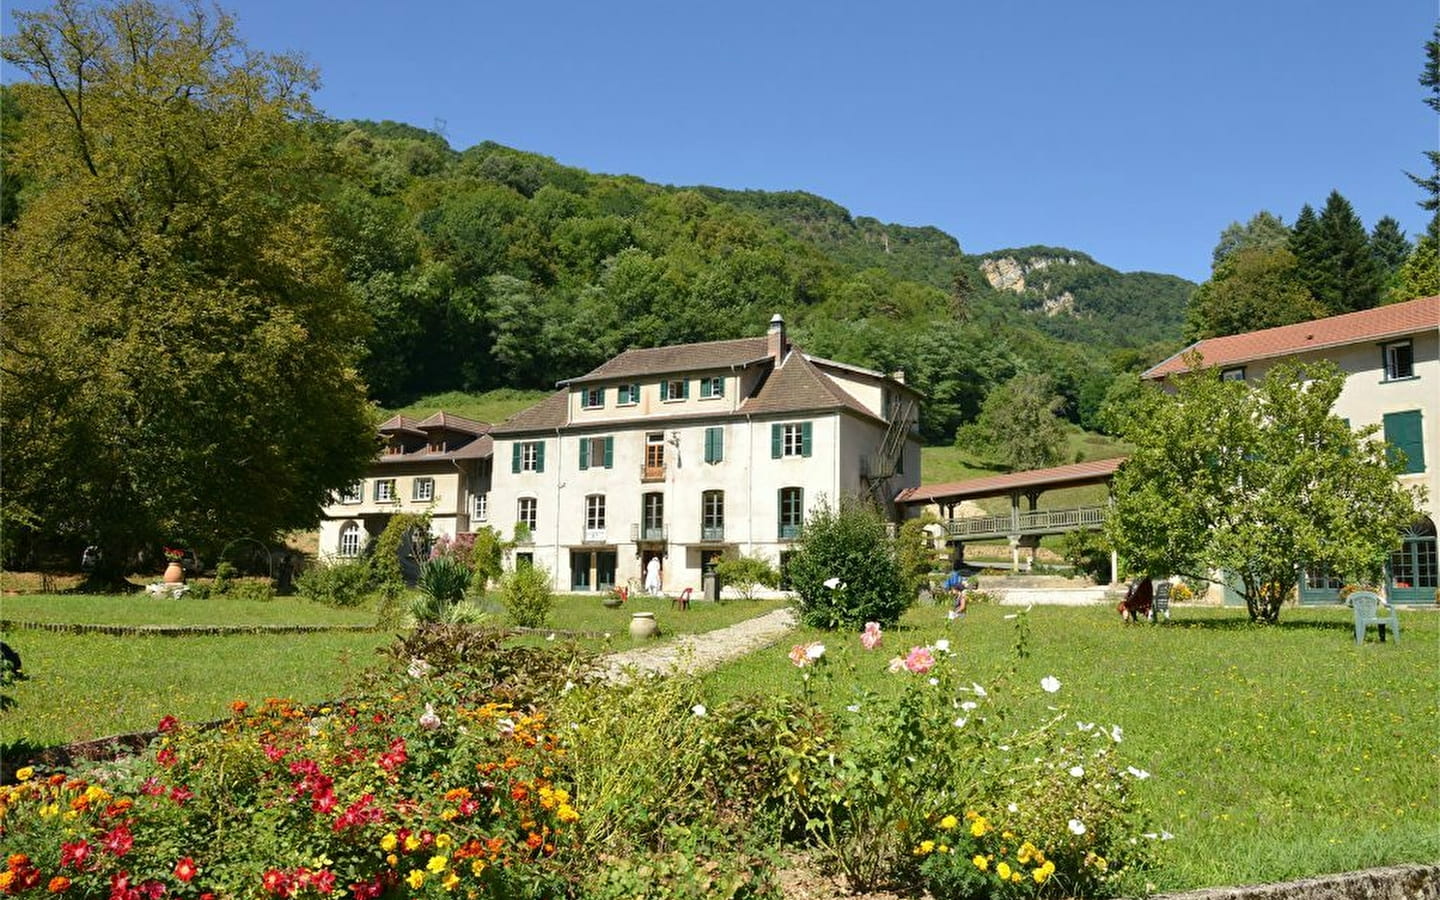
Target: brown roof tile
1395,320
453,422
678,358
1090,472
396,424
798,385
550,413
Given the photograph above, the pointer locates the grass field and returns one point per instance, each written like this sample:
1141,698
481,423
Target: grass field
1275,752
87,686
491,406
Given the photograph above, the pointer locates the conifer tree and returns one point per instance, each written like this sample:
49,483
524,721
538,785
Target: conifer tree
1335,259
1430,79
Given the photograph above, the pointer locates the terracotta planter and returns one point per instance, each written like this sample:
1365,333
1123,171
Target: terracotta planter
174,573
643,625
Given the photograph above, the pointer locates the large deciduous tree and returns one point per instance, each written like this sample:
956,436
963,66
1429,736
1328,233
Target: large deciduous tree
1019,424
1256,480
179,341
1252,288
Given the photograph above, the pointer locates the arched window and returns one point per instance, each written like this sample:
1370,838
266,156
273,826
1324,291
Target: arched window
1414,568
350,539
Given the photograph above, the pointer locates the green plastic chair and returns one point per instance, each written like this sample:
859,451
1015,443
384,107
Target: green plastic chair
1366,606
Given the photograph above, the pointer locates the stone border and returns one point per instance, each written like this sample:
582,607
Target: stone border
1402,882
181,630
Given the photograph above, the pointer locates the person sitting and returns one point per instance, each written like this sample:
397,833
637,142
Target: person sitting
1138,598
955,583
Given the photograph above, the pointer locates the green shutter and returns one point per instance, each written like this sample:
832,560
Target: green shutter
804,438
584,454
775,439
539,456
704,388
719,444
1403,432
685,389
664,390
714,445
515,457
610,453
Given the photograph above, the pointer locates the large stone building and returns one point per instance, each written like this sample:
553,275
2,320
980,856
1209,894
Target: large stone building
683,453
1391,359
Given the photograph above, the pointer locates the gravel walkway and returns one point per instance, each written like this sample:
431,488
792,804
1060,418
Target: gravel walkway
699,652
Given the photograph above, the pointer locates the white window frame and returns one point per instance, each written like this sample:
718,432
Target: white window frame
675,390
627,395
592,398
354,492
385,490
348,545
422,489
482,507
792,440
712,387
1392,364
594,517
1234,373
529,455
527,510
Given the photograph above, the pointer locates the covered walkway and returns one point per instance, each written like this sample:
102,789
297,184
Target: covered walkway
1022,527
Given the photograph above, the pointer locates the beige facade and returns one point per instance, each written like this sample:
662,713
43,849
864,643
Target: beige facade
440,466
685,453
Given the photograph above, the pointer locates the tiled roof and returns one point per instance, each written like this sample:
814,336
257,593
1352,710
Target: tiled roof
400,423
550,413
1395,320
1091,472
798,385
453,423
653,361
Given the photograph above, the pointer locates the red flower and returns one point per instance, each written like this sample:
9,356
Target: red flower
166,756
185,870
275,882
169,723
151,787
74,854
119,841
180,794
120,888
323,881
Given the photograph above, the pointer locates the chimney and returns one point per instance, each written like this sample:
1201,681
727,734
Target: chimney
775,345
898,375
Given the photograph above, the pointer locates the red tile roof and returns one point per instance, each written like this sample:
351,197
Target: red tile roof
1074,475
651,361
1380,323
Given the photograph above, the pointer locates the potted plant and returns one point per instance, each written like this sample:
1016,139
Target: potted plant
614,597
174,571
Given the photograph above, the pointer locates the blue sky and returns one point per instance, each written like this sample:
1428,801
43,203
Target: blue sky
1132,131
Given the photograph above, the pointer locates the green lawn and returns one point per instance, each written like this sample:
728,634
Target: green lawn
143,609
1275,752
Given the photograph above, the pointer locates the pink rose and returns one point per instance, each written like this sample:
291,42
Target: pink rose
871,636
920,660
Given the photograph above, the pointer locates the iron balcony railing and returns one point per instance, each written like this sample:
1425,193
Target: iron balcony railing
650,532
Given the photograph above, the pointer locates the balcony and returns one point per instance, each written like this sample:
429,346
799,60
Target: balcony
712,533
652,473
650,533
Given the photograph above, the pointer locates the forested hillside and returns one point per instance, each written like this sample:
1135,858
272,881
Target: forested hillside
493,267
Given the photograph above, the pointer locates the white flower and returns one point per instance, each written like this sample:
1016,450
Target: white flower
968,705
1011,616
1077,771
698,709
854,708
429,720
960,722
419,668
569,686
934,682
1077,826
952,615
1117,734
506,726
1012,808
815,651
977,690
1085,726
550,636
1138,773
1050,683
942,645
1165,835
833,583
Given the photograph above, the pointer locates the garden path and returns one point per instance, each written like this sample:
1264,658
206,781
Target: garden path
699,652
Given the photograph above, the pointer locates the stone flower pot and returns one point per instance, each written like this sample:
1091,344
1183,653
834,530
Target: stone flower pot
643,625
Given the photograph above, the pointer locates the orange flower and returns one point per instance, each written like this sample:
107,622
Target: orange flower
59,884
534,840
238,707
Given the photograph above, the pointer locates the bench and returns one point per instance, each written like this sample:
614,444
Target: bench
1160,604
1366,606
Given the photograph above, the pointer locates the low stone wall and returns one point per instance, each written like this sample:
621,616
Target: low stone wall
1407,882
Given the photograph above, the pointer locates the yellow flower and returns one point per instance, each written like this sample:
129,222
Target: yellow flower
925,848
949,822
393,860
389,842
412,843
1026,851
437,864
24,773
443,840
980,862
49,810
477,868
451,881
416,879
567,813
1003,870
979,827
943,848
1016,878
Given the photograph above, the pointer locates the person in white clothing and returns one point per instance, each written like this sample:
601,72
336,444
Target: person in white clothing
652,575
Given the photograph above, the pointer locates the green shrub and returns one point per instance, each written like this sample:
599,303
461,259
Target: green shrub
526,595
442,583
745,573
259,590
1089,553
337,584
225,572
849,544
